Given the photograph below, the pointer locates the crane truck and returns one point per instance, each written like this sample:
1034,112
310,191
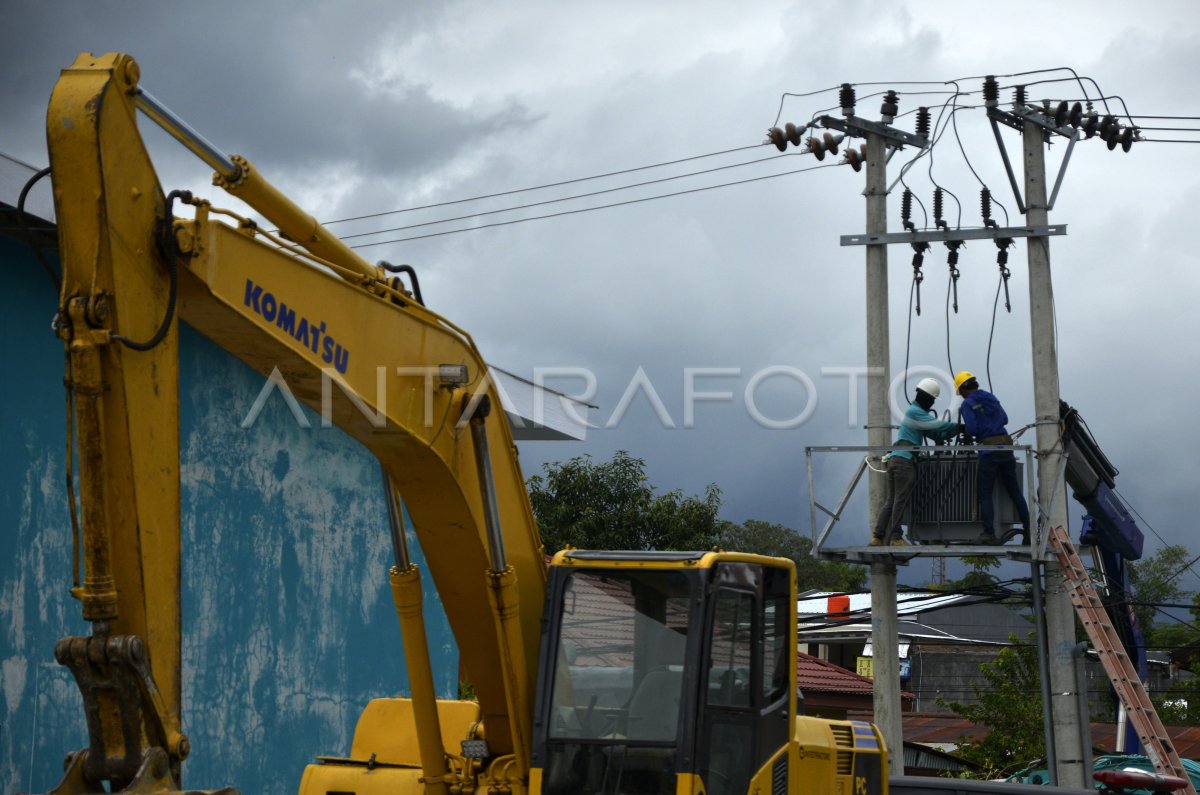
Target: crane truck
595,671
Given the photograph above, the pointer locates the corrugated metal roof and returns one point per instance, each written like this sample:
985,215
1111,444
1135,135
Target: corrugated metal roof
535,412
908,631
817,604
918,757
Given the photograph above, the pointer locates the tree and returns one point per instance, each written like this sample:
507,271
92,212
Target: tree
1179,704
1010,706
1155,581
612,505
979,576
768,538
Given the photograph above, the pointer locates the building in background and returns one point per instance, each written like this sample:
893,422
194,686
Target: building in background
943,638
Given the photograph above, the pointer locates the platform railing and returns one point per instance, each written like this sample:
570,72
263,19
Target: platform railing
833,515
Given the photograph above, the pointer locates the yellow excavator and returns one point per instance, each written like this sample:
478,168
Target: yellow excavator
595,672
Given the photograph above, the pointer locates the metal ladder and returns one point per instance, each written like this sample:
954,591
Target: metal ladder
1117,665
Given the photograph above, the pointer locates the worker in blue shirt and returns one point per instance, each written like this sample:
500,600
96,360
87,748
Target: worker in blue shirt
985,420
919,424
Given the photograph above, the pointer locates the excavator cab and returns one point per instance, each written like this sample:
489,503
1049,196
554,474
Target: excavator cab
663,672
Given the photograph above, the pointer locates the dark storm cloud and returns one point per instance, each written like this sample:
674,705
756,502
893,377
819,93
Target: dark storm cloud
279,81
371,106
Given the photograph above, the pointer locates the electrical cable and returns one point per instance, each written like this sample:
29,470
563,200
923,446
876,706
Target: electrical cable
1103,98
783,97
961,148
967,160
169,249
939,129
908,338
988,596
952,97
991,334
1074,74
1187,566
1178,620
949,363
541,187
902,83
1157,605
569,198
598,207
28,233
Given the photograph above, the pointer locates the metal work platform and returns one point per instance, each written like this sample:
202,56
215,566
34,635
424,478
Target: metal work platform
904,554
942,518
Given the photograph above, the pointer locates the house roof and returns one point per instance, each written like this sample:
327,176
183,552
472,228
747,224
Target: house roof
923,617
943,729
817,604
817,675
820,682
908,631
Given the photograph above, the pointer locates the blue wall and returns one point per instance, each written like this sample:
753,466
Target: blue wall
289,627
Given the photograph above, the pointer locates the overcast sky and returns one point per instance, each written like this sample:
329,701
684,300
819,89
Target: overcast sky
363,107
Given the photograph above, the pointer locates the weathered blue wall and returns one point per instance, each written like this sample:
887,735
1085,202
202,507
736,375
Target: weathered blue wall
289,627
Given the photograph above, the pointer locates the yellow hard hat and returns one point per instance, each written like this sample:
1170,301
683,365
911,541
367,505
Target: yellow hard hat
962,378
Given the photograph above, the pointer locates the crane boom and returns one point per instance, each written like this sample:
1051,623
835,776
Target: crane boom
336,335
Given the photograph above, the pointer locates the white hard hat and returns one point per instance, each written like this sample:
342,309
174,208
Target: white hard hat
929,387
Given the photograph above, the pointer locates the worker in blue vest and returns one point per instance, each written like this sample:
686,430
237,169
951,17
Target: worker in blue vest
919,423
985,421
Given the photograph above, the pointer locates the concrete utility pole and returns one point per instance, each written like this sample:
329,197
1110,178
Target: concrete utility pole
1064,708
885,646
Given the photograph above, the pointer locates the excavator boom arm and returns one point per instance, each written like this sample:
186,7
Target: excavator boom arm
326,329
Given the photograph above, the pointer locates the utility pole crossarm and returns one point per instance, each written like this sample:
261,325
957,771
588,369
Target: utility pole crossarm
946,235
856,126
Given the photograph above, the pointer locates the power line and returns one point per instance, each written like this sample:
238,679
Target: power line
1187,566
541,187
569,198
942,124
597,207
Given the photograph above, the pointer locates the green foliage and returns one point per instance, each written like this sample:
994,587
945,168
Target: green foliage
612,505
1179,704
1174,635
1155,580
768,538
1010,706
978,577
